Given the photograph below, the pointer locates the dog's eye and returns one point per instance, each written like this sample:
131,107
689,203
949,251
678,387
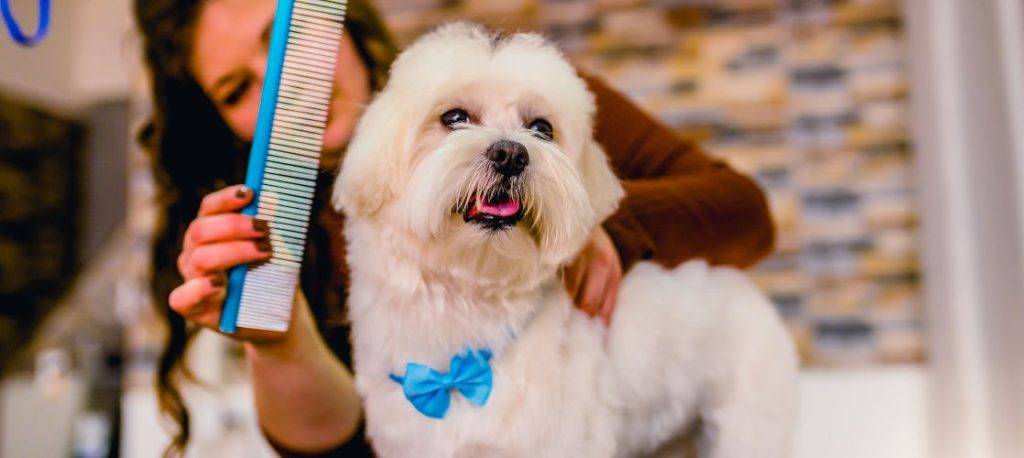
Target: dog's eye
540,127
452,118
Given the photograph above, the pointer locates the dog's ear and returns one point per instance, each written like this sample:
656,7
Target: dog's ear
603,187
371,172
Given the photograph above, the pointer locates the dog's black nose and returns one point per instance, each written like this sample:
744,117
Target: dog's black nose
509,157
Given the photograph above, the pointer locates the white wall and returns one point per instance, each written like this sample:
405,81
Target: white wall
87,56
41,71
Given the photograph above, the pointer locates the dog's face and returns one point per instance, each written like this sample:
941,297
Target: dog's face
481,147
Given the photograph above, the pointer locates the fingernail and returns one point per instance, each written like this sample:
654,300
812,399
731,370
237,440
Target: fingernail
217,281
260,225
263,245
242,192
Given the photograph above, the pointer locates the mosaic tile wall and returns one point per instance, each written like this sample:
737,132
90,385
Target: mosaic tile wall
809,97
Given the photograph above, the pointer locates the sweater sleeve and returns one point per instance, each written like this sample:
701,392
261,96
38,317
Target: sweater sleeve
680,204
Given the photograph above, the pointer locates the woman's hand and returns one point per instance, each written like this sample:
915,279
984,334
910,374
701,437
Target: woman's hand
218,239
593,278
289,369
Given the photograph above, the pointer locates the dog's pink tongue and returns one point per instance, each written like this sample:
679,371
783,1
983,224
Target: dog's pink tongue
503,209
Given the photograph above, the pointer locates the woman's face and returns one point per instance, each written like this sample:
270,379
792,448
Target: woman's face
229,59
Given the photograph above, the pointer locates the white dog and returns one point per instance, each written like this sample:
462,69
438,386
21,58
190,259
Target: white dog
472,178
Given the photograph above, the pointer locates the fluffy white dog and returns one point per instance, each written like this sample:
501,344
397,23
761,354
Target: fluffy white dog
472,178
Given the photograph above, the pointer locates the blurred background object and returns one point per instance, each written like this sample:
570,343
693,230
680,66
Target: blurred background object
39,214
64,138
889,136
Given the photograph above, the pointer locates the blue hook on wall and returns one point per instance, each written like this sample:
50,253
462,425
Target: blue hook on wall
12,25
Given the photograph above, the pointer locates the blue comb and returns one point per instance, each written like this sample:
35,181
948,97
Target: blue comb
284,158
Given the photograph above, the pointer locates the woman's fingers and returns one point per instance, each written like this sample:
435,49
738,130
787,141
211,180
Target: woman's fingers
611,293
572,278
217,240
217,257
593,288
229,199
224,227
196,296
593,278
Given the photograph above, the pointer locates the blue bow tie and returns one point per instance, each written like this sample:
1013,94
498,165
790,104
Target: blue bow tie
430,391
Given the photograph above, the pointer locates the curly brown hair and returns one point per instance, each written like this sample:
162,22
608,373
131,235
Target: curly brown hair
184,130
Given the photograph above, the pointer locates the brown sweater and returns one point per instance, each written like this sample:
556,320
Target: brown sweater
680,204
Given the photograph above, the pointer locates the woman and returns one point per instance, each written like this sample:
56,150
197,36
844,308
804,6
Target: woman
206,60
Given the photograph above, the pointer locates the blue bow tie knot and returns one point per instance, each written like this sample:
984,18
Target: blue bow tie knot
429,391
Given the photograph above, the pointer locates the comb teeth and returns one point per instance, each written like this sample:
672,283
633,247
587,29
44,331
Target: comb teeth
266,302
292,155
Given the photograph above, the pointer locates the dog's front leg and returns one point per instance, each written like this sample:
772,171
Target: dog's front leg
735,432
753,416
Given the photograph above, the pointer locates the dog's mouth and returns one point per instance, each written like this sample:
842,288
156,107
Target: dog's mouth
500,211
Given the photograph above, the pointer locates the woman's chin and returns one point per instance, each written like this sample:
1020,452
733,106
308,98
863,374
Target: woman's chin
330,156
335,140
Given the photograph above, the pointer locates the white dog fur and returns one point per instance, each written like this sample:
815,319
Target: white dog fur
693,348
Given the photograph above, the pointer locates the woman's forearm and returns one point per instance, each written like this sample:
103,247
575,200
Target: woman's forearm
305,398
718,215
